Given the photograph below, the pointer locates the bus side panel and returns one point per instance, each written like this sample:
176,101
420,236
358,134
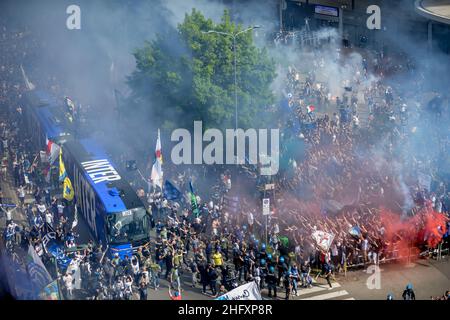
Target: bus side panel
100,222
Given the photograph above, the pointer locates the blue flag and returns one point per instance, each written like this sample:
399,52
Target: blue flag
355,231
170,192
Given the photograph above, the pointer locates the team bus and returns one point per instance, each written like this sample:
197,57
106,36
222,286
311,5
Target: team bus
116,216
44,118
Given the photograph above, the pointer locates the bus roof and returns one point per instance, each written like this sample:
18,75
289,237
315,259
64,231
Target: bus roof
117,195
49,113
40,98
51,124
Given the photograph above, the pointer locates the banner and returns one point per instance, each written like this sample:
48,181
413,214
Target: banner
323,239
38,274
248,291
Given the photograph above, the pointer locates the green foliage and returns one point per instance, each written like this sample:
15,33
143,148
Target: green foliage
189,75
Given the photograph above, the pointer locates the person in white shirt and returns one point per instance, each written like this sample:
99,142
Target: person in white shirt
49,218
8,214
60,208
128,288
21,194
41,208
68,281
251,221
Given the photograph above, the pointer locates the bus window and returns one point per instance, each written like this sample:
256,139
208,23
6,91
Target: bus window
128,226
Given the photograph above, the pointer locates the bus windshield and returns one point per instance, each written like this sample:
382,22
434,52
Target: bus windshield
128,226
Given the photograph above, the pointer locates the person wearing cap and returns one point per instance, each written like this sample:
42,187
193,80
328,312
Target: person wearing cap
408,293
271,282
287,284
282,268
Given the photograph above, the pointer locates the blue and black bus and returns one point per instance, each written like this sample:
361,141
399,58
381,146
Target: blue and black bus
114,213
44,118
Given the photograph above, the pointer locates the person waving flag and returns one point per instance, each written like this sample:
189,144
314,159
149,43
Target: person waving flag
157,173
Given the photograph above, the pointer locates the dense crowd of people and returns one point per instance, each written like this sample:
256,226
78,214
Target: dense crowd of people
353,176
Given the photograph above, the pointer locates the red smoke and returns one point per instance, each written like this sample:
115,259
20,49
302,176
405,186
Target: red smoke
425,228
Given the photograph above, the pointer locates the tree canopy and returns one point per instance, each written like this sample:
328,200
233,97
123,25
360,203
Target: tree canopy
188,75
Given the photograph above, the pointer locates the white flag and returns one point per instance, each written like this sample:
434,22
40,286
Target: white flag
75,219
323,239
28,84
157,173
248,291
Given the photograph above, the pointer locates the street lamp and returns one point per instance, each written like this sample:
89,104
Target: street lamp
234,35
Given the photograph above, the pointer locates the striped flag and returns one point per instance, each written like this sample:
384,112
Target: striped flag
52,150
157,173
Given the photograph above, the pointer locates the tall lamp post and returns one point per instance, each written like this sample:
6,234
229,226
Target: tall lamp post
234,36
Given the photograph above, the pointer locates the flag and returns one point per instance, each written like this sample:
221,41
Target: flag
170,191
28,83
38,274
157,174
355,231
194,204
75,219
56,249
62,168
68,192
323,239
71,108
248,291
52,150
50,292
284,241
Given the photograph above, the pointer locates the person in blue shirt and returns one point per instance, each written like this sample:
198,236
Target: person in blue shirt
294,278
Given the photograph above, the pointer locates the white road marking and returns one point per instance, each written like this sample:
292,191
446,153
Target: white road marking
317,288
327,296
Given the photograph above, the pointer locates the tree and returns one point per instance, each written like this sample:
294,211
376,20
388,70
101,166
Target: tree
187,75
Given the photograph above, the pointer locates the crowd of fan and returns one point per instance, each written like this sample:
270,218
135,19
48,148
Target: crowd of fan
218,249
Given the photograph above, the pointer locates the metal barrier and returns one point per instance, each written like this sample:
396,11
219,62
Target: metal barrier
413,253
